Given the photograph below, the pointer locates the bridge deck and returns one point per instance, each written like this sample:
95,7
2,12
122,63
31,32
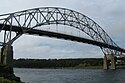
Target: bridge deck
60,35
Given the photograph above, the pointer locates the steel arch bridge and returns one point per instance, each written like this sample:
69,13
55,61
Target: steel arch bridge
26,22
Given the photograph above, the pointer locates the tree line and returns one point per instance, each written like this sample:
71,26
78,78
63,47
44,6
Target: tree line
56,63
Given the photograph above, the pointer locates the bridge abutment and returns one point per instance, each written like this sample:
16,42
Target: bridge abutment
109,62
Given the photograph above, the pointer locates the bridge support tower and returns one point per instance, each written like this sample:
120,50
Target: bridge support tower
6,55
109,62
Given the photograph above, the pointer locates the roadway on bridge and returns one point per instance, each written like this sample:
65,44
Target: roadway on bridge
60,35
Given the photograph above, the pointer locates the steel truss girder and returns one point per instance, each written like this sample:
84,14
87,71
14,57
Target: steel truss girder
33,18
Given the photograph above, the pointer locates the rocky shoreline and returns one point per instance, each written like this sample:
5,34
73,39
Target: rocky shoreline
7,75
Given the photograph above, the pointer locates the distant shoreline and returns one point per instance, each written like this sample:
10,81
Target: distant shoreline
90,67
82,63
93,63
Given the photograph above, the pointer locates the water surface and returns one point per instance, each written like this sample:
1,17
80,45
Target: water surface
70,75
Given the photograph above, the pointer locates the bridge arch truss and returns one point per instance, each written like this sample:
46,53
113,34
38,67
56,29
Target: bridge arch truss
32,18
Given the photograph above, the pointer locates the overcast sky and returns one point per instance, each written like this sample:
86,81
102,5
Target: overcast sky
109,14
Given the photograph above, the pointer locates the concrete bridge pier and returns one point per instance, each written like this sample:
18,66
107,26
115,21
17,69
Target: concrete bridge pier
6,55
109,62
105,63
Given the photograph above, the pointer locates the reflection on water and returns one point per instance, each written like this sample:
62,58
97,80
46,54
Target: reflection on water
70,75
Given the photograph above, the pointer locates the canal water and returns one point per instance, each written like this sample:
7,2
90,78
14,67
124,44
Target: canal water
70,75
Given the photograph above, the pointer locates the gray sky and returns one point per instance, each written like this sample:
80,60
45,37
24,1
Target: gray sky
109,14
